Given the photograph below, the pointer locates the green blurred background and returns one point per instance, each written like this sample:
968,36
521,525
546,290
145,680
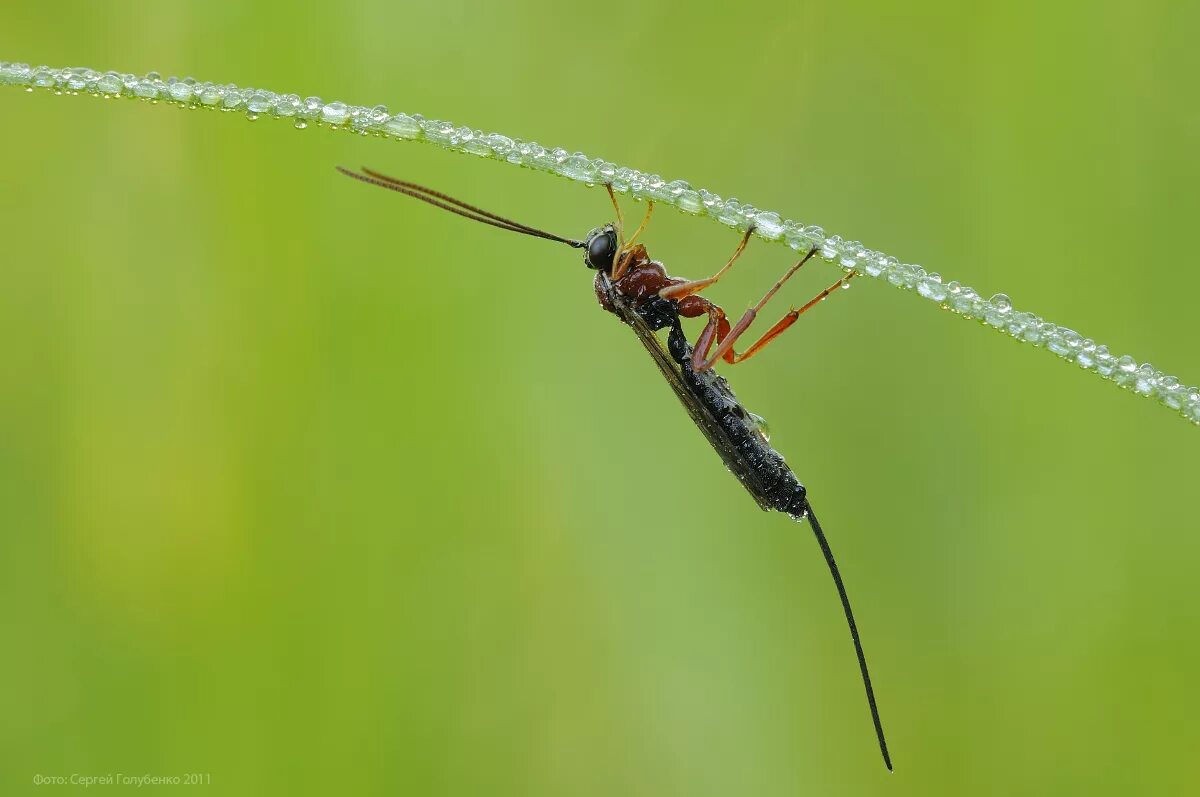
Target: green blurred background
322,491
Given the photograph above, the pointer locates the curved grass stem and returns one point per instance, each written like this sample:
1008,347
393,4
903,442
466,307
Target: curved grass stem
997,312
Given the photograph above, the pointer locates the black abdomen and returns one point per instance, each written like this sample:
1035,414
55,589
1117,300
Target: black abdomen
735,433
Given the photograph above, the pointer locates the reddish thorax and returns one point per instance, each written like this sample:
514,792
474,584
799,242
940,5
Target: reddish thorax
642,280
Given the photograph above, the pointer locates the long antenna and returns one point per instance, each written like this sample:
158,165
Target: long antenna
858,649
446,202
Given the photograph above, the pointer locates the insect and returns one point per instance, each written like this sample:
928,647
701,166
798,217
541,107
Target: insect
639,291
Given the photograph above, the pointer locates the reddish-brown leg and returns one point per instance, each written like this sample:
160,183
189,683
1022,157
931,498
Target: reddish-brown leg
787,321
727,337
715,330
701,360
679,291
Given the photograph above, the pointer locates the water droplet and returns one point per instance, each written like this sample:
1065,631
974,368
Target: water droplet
335,114
258,103
145,89
311,108
233,98
402,125
931,288
769,225
578,167
1105,362
1063,342
729,213
903,275
438,131
1126,367
689,201
852,255
180,92
879,264
1145,379
109,84
1192,409
760,424
831,248
287,106
997,310
43,78
476,145
1034,329
1170,392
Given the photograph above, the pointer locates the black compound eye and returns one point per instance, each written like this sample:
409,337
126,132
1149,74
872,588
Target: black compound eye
601,247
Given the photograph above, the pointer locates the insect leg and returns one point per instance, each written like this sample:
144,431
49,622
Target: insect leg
620,222
716,329
641,227
787,321
690,287
702,361
626,248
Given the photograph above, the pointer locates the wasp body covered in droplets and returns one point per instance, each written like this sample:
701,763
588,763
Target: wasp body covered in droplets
639,291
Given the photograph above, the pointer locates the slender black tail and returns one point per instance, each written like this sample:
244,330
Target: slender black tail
862,658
